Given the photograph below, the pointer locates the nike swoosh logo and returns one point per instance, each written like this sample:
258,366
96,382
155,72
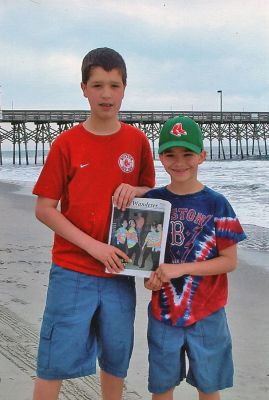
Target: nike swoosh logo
84,165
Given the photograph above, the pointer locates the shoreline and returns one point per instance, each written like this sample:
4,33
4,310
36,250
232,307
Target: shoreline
25,246
257,236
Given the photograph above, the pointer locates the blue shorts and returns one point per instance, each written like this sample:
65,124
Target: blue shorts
86,318
207,345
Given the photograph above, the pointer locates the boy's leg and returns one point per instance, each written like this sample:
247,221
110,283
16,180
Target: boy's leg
115,330
166,358
209,396
164,396
45,389
67,346
111,386
209,349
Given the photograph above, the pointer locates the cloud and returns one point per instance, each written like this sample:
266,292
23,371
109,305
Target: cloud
177,52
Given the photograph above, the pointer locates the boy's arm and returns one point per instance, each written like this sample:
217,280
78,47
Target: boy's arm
225,262
47,212
125,193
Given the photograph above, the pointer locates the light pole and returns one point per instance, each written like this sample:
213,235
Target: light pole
220,92
220,136
1,114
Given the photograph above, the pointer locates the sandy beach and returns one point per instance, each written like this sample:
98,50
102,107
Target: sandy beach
24,266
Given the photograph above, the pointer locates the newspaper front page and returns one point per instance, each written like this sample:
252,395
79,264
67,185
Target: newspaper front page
141,231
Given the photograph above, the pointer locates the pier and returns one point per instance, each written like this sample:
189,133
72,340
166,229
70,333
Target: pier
227,135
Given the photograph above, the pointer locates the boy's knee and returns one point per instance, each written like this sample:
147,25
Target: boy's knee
209,396
163,396
46,389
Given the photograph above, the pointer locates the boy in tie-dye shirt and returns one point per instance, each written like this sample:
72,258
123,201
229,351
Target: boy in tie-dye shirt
187,316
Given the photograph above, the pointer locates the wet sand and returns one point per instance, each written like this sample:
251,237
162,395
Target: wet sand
24,266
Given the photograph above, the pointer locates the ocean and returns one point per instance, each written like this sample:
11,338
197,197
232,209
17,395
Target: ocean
245,183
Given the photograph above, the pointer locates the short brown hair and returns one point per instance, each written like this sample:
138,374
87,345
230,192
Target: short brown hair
106,58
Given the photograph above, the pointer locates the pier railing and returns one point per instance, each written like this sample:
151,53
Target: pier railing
60,116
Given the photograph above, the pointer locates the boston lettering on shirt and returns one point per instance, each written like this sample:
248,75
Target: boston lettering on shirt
201,224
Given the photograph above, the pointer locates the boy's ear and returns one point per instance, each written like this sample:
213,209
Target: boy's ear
124,90
83,88
202,156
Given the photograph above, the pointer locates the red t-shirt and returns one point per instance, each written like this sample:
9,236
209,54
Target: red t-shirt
83,170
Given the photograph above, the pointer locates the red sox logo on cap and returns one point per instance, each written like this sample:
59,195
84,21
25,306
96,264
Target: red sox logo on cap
126,162
178,130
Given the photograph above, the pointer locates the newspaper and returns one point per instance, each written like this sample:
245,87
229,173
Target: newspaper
140,232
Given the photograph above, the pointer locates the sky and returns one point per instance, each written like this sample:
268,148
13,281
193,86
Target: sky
178,53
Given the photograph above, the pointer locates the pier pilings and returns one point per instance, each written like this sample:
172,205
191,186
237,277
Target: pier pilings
227,135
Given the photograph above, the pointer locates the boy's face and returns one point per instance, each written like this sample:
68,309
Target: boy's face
182,164
104,91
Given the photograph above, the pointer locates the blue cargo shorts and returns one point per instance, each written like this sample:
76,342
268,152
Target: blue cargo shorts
207,346
86,318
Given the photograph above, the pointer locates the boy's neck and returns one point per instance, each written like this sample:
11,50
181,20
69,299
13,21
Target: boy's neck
182,188
102,127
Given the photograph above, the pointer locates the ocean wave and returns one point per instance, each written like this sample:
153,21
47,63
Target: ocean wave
244,183
257,237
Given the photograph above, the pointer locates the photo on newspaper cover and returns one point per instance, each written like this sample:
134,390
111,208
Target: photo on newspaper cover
141,231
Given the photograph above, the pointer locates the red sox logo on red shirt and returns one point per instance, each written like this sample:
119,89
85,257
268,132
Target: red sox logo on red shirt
178,130
126,163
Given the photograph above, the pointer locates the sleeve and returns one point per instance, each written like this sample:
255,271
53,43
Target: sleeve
147,170
228,228
53,178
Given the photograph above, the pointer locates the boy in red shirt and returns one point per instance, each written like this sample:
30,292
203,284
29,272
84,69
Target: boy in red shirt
89,314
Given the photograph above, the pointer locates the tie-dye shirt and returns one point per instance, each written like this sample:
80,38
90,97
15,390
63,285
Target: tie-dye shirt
201,224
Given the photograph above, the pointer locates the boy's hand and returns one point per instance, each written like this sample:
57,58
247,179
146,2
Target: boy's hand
124,195
153,282
166,272
110,256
